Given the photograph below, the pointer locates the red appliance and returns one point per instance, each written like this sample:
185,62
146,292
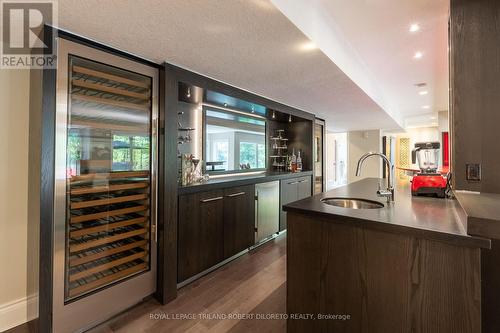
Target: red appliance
428,181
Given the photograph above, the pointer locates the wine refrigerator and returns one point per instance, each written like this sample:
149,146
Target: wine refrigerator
104,243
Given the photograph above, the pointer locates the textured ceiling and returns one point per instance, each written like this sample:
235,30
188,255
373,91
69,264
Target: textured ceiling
371,42
246,43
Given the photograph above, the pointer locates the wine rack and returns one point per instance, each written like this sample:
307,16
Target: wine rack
109,183
108,229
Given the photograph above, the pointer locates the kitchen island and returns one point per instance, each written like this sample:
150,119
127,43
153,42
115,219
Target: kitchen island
409,266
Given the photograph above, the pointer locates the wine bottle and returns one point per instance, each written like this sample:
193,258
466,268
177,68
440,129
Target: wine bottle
299,162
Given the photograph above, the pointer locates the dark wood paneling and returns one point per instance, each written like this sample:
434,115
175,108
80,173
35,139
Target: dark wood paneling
288,193
386,282
300,135
239,219
304,188
167,189
475,92
201,232
491,288
47,146
291,190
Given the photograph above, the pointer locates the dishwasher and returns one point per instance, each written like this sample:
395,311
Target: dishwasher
267,210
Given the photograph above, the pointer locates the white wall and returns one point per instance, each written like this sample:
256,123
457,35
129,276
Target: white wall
336,160
421,134
17,295
443,121
359,143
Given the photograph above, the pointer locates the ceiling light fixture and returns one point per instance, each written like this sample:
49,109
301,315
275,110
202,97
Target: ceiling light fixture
414,27
423,92
308,46
290,118
274,115
418,55
425,107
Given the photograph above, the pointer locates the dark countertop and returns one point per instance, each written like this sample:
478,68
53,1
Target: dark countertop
482,211
426,217
240,180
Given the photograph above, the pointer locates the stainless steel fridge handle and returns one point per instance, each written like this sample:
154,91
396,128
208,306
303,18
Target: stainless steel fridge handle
235,194
155,180
256,226
211,199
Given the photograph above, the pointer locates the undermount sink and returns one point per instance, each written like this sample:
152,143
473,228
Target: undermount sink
352,203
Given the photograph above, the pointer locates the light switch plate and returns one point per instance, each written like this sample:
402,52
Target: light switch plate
473,172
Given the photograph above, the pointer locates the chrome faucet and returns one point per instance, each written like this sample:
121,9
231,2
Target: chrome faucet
389,192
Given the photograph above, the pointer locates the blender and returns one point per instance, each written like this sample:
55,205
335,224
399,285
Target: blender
428,181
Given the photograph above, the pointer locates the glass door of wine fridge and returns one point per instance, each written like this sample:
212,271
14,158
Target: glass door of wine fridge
105,214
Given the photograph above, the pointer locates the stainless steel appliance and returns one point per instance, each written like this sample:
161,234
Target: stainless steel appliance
267,210
105,186
427,156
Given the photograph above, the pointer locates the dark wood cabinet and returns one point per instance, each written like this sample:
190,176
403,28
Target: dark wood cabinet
201,232
213,226
239,219
293,189
303,188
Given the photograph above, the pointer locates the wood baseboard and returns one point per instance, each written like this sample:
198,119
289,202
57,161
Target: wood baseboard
18,312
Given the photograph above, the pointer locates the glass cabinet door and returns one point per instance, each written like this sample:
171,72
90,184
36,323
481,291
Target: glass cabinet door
108,164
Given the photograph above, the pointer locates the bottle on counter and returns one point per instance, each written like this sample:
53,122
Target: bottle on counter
299,162
293,161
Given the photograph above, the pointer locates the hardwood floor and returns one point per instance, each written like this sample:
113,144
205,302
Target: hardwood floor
252,285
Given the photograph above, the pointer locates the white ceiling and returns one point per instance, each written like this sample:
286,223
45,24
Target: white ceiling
252,45
246,43
371,42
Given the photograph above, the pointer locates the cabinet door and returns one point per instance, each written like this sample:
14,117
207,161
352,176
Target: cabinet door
289,188
239,219
201,232
304,188
267,209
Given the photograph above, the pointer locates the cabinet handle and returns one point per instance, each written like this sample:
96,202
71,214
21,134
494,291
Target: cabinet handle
211,199
292,183
301,181
235,194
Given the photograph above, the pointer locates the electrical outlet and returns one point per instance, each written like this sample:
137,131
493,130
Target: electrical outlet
473,172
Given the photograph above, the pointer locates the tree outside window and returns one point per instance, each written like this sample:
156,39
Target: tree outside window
253,154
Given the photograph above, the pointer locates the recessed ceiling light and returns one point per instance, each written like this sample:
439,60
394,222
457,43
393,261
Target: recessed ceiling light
423,92
418,55
414,27
425,107
308,46
433,118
